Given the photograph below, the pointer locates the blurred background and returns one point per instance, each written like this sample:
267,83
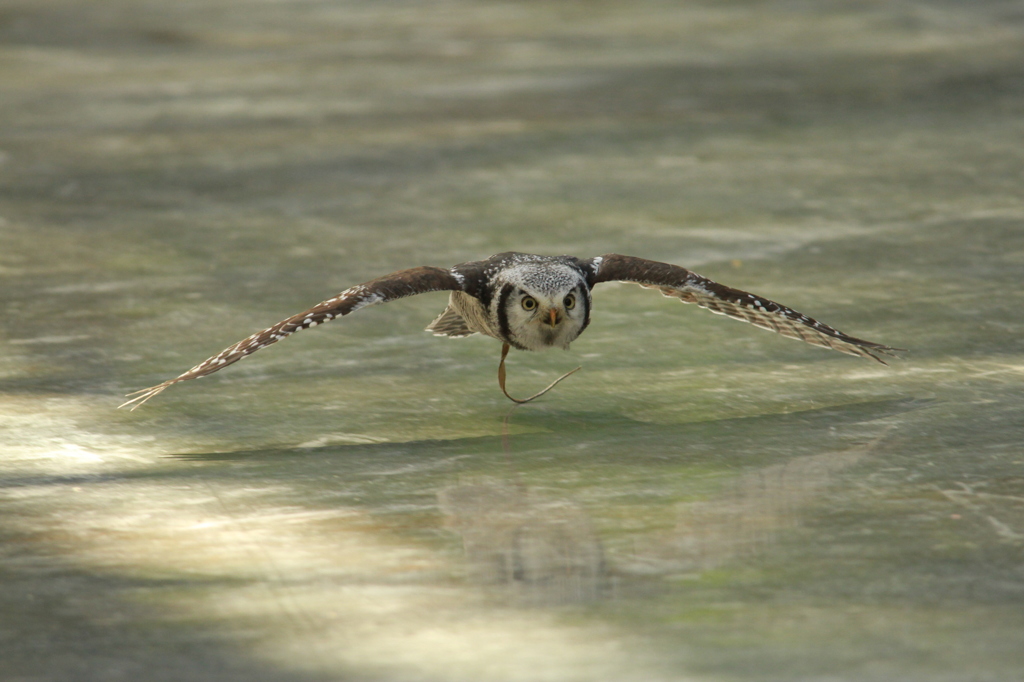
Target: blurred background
704,501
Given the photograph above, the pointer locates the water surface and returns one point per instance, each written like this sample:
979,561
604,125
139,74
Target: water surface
704,501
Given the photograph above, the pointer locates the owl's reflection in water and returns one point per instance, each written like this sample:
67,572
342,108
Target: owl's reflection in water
541,551
546,551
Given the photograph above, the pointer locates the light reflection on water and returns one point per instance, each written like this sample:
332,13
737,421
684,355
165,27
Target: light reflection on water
221,539
449,557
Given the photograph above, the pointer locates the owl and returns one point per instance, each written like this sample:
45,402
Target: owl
531,302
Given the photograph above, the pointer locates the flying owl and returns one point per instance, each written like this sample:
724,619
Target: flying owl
531,302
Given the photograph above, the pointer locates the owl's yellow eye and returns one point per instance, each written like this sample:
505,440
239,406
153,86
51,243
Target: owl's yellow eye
529,303
569,302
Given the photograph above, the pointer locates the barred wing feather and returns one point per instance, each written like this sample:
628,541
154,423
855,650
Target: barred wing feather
388,288
689,287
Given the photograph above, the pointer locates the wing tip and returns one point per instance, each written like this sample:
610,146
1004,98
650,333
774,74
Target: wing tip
143,395
870,350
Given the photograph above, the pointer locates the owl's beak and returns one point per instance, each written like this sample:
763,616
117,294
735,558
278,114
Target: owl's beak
553,318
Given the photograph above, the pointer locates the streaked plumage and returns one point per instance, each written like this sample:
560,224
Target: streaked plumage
534,302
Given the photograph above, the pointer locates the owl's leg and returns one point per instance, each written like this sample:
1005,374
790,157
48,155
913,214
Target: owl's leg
501,379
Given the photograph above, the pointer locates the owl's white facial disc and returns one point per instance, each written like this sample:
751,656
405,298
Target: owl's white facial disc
543,307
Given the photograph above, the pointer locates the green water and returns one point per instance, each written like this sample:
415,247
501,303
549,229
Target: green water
703,501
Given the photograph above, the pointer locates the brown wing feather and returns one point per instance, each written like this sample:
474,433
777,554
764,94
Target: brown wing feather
689,287
388,288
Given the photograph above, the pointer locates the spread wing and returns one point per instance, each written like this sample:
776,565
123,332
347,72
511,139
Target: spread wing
690,287
388,288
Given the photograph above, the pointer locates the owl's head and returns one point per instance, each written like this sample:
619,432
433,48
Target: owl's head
543,305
